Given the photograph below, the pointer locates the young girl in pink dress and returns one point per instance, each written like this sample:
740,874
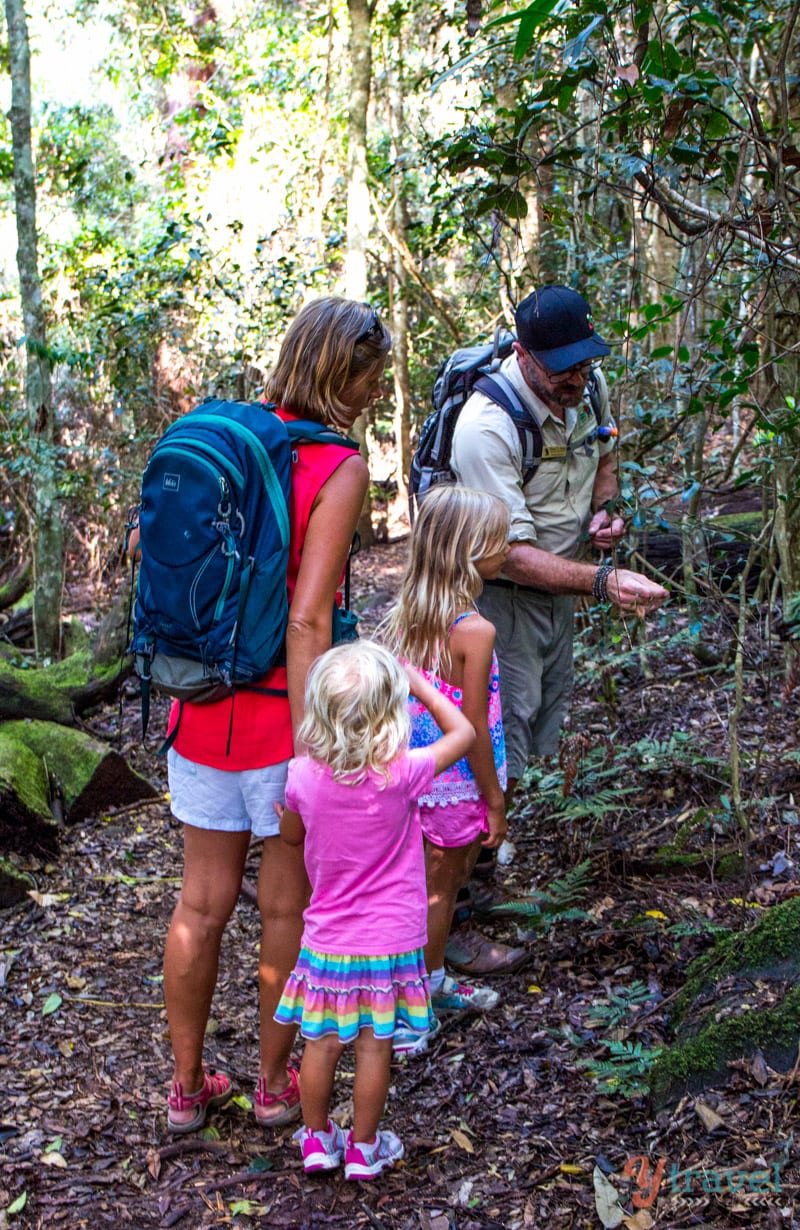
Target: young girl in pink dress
460,539
352,798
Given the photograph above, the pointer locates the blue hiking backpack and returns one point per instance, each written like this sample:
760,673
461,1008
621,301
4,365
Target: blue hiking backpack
211,603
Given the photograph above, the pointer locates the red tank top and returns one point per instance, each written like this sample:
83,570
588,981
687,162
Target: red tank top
262,730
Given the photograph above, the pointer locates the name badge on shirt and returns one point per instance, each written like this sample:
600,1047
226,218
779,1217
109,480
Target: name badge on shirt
551,452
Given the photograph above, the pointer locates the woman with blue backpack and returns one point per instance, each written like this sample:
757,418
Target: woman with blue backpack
229,757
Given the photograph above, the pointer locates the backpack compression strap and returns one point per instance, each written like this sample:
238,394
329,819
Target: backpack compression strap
501,391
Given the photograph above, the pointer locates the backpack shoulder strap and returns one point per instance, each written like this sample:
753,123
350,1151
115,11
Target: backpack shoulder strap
501,391
597,392
304,431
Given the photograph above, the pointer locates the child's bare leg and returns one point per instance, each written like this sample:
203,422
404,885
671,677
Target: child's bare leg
371,1085
472,857
317,1072
446,870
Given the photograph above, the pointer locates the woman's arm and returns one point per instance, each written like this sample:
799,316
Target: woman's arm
458,735
471,644
334,516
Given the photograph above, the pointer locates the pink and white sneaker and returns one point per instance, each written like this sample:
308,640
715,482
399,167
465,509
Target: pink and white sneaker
321,1150
362,1161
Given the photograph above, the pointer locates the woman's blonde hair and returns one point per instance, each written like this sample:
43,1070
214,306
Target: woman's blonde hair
455,528
328,345
356,711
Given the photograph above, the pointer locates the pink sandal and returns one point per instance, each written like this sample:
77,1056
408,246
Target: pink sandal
216,1092
276,1109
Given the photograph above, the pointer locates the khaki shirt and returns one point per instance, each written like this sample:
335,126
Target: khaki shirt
554,509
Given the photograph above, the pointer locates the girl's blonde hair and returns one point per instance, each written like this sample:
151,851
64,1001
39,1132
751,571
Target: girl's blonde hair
356,710
328,345
455,528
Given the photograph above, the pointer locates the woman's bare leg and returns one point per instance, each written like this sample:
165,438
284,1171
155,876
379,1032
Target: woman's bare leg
213,865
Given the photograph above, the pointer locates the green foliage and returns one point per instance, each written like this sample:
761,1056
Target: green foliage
80,160
625,1071
560,901
619,1006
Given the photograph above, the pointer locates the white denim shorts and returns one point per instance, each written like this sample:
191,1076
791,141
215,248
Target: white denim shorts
226,801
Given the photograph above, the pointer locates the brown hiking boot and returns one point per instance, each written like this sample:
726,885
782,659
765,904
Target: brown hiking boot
469,952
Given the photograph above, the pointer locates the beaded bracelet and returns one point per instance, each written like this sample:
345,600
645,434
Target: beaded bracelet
600,583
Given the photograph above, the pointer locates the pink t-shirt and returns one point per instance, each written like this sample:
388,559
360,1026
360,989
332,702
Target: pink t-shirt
364,856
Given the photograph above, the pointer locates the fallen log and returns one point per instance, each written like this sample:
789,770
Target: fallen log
14,885
26,819
726,547
45,764
61,691
15,586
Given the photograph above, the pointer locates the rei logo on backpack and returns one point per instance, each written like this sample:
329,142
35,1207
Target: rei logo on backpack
477,368
211,604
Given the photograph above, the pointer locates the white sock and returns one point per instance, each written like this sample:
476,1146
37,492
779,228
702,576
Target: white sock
436,979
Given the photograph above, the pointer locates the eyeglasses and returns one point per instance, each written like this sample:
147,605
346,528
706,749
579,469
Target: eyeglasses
579,369
373,329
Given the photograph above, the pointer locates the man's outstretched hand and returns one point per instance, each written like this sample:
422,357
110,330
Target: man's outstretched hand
634,593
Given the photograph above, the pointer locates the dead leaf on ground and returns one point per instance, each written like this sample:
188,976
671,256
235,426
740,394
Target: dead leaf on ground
606,1199
462,1140
708,1117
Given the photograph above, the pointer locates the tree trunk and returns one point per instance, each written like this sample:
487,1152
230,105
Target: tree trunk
46,529
782,383
358,206
395,61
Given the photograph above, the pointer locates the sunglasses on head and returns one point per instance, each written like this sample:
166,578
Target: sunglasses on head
373,329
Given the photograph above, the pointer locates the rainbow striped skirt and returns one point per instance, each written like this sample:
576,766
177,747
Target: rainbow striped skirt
329,993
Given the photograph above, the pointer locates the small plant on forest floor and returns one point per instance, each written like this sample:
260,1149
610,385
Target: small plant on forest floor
694,926
559,901
619,1007
626,1069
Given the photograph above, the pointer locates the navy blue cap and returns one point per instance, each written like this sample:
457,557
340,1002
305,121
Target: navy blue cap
554,324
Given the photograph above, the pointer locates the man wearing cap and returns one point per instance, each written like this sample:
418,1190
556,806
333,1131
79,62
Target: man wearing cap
568,501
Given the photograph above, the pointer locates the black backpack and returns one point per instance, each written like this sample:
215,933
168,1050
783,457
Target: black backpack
476,368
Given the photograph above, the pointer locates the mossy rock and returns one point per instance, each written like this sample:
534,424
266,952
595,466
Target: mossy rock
701,1061
740,996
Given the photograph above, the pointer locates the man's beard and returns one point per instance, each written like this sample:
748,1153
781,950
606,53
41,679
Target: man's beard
564,397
